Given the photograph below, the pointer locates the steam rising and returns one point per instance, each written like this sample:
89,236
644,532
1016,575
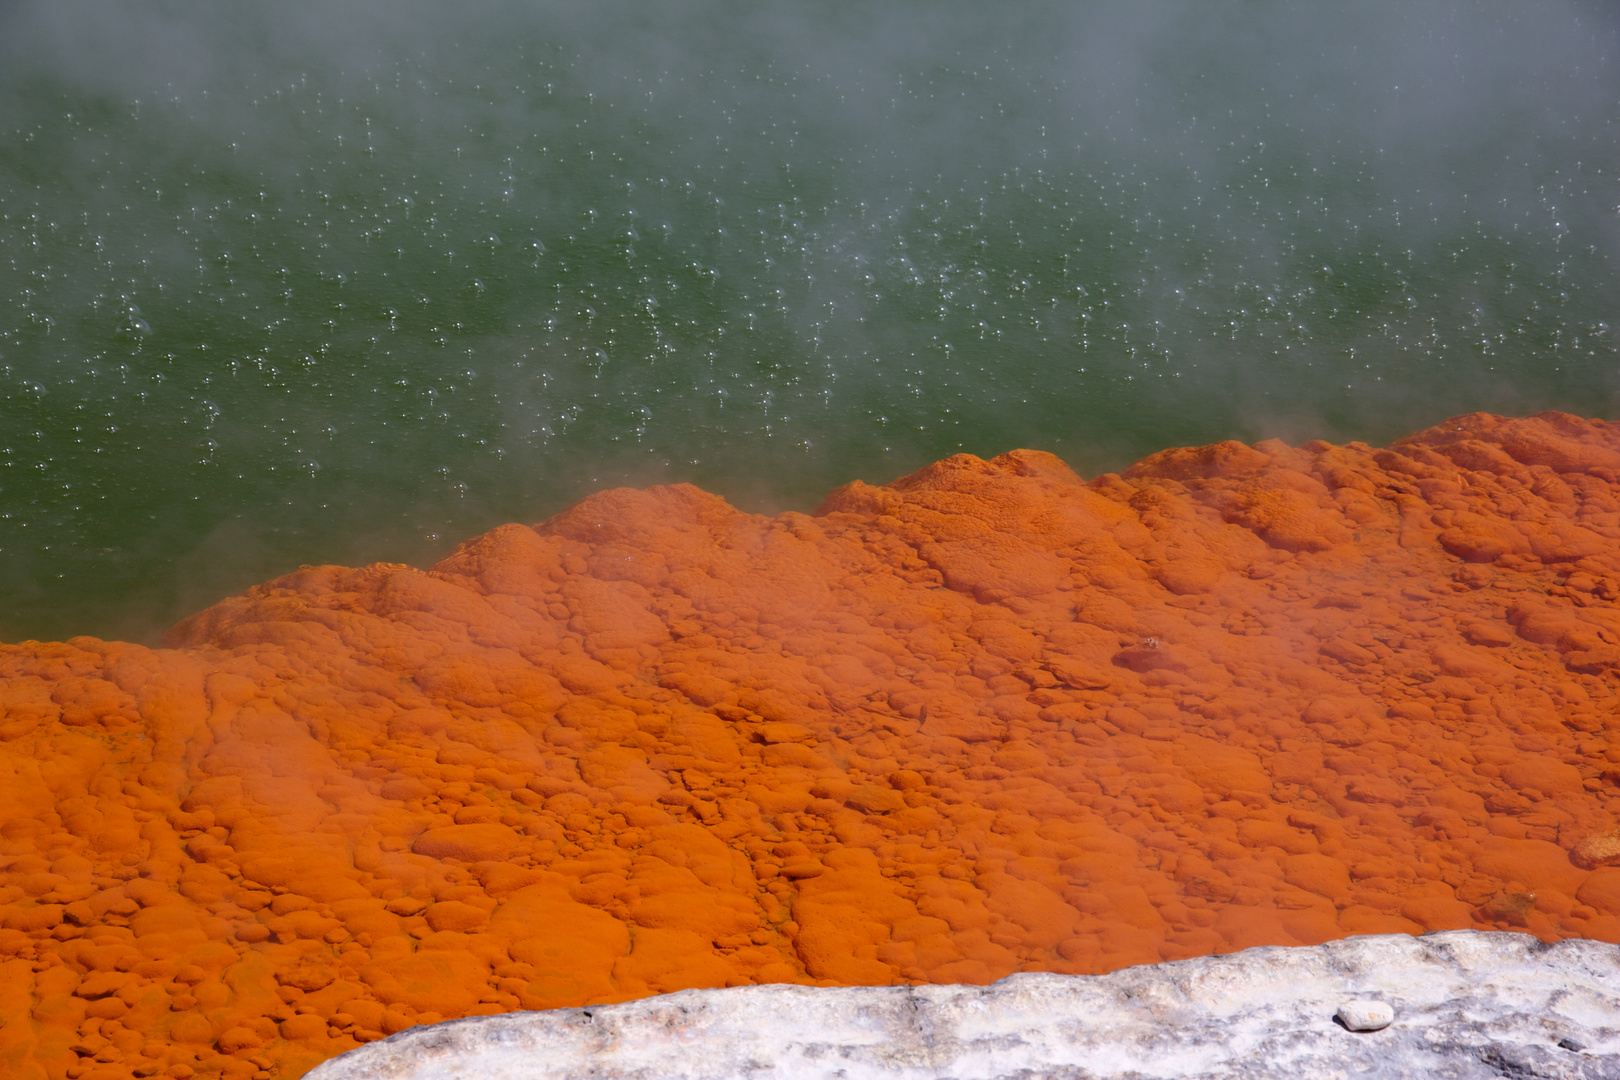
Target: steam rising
353,282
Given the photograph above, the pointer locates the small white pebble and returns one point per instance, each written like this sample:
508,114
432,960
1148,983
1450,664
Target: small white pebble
1366,1015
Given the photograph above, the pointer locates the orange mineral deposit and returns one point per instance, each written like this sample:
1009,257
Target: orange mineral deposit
987,718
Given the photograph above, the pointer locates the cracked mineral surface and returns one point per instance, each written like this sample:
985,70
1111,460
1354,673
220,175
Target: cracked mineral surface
988,718
1468,1006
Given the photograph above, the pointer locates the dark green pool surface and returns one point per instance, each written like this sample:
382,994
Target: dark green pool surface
298,283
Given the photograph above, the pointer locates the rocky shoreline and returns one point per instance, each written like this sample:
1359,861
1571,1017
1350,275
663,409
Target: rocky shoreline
989,718
1467,1004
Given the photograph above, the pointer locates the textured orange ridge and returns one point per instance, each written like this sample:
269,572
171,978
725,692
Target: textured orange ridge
987,718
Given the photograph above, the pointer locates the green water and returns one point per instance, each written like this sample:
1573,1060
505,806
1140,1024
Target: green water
343,282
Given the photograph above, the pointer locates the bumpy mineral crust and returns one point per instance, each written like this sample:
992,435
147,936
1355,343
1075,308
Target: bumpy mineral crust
1468,1006
988,718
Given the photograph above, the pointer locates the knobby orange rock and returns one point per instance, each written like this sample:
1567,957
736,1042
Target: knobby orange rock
987,718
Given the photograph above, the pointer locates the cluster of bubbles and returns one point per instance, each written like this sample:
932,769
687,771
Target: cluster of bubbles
339,290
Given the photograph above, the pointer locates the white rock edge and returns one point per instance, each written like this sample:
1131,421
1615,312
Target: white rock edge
1467,1003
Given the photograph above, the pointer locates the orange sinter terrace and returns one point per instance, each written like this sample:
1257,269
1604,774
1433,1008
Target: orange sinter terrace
988,718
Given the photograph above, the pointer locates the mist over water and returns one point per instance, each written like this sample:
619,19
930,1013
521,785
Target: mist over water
284,284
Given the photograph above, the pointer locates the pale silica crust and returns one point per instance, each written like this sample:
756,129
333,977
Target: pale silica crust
1468,1004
